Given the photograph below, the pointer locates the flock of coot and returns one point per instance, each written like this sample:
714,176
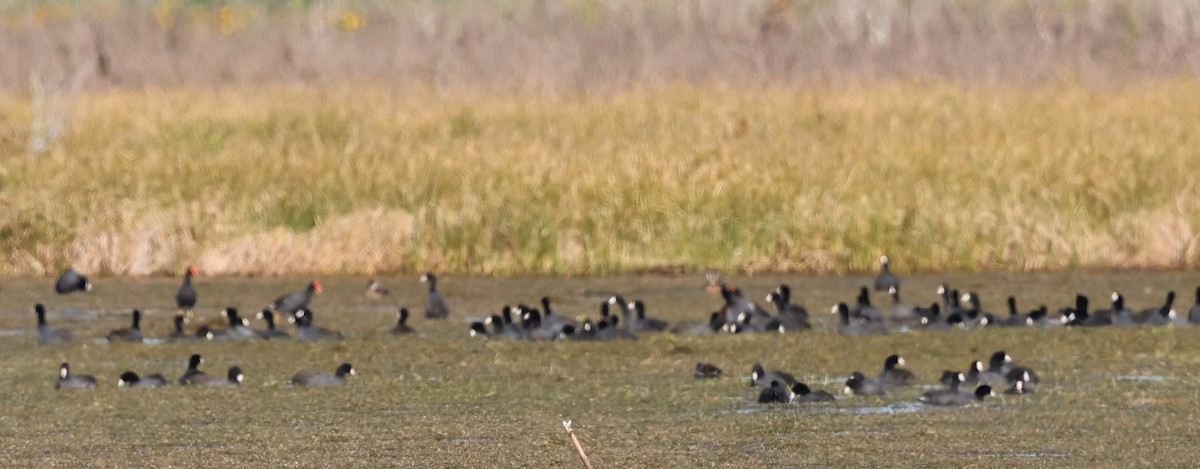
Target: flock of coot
622,319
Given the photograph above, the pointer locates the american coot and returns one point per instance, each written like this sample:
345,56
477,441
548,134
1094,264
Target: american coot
1019,387
131,334
271,332
313,378
177,333
952,379
775,393
66,380
860,385
71,281
1194,313
402,326
892,375
478,329
976,316
863,308
233,378
376,291
132,380
305,330
792,316
642,323
1160,316
901,314
852,326
185,298
706,370
551,318
955,398
761,377
802,393
436,306
1015,318
736,305
886,279
239,328
50,335
193,370
1001,362
289,303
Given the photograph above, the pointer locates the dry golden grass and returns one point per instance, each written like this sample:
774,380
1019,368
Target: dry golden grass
820,178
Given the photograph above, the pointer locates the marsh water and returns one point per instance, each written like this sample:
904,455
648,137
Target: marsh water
440,398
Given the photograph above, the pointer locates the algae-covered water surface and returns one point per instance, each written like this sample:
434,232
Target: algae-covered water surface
440,398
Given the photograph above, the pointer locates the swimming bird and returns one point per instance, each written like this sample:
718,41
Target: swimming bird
375,290
50,335
313,378
737,305
1019,387
238,329
290,303
193,370
66,380
177,333
1001,362
886,279
1159,316
133,333
436,306
761,377
185,298
976,316
802,393
233,378
1194,313
271,332
402,326
130,379
305,330
851,326
641,323
706,370
71,281
892,375
955,398
901,313
775,393
863,308
860,385
478,329
791,316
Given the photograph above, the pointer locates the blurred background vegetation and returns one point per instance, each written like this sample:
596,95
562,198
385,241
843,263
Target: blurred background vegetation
596,136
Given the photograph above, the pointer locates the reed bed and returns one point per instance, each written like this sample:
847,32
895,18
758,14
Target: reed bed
274,179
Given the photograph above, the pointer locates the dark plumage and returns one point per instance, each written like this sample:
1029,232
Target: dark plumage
775,393
640,322
706,370
305,330
239,328
886,279
761,377
66,380
313,378
955,398
233,378
271,332
193,370
892,375
177,332
131,334
860,385
1194,313
289,303
436,306
402,326
855,326
71,281
50,335
130,379
791,316
738,306
185,298
801,393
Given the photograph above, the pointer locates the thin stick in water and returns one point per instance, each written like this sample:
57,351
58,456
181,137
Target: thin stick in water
579,448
